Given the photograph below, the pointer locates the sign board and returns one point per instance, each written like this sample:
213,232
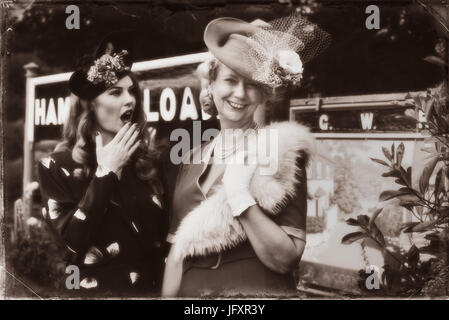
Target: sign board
170,97
383,113
343,182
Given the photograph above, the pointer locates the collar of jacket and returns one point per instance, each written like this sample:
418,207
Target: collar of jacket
211,228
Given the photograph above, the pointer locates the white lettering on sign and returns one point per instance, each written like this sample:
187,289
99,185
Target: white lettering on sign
48,112
46,116
51,114
152,116
63,110
188,108
367,120
39,111
167,104
324,122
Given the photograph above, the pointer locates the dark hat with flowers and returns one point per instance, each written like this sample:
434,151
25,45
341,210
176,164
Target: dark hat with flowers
272,54
110,62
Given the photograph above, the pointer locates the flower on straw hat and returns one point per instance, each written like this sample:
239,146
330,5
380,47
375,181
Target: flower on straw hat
289,61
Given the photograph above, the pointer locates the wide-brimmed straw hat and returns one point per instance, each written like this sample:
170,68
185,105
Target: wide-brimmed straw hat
111,61
272,55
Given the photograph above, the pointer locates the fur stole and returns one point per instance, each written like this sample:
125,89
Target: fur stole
211,228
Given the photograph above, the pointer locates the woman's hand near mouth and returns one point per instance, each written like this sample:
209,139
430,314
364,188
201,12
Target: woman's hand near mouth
114,155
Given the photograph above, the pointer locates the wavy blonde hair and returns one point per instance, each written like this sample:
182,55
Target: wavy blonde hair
79,137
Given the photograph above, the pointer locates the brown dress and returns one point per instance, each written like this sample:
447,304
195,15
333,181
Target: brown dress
236,271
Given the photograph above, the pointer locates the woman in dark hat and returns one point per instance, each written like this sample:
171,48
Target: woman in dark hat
238,227
101,185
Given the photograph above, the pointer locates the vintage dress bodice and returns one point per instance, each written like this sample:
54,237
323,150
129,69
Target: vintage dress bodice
113,230
189,194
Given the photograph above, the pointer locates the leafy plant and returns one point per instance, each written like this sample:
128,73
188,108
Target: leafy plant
427,201
37,258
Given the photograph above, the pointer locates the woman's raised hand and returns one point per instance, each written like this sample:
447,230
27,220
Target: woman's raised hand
236,180
117,152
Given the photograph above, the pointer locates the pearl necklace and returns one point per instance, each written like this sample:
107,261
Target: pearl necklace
223,152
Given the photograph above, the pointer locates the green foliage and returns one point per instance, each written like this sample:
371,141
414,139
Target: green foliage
426,200
37,258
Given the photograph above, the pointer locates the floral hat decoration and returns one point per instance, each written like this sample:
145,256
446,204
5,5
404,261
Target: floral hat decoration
273,54
110,62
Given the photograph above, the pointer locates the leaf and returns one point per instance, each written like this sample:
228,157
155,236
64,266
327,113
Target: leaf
413,256
392,148
432,236
363,220
407,206
438,185
387,154
377,234
380,161
393,173
351,237
424,226
390,194
352,222
427,173
400,153
433,248
429,250
374,216
399,181
409,176
405,175
406,227
409,199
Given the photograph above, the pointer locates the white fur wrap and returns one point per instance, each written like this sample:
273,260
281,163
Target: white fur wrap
211,228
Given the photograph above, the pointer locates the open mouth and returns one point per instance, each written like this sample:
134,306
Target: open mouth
127,115
237,106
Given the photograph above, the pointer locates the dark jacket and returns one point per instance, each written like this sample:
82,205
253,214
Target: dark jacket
114,230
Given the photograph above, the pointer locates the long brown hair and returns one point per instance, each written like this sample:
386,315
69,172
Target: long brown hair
79,137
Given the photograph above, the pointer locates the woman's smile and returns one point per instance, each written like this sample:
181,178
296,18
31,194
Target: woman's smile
238,106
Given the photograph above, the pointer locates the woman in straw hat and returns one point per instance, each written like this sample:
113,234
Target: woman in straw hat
102,186
239,215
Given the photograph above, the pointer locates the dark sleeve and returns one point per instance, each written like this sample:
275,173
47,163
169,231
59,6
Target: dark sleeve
73,220
292,218
169,173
